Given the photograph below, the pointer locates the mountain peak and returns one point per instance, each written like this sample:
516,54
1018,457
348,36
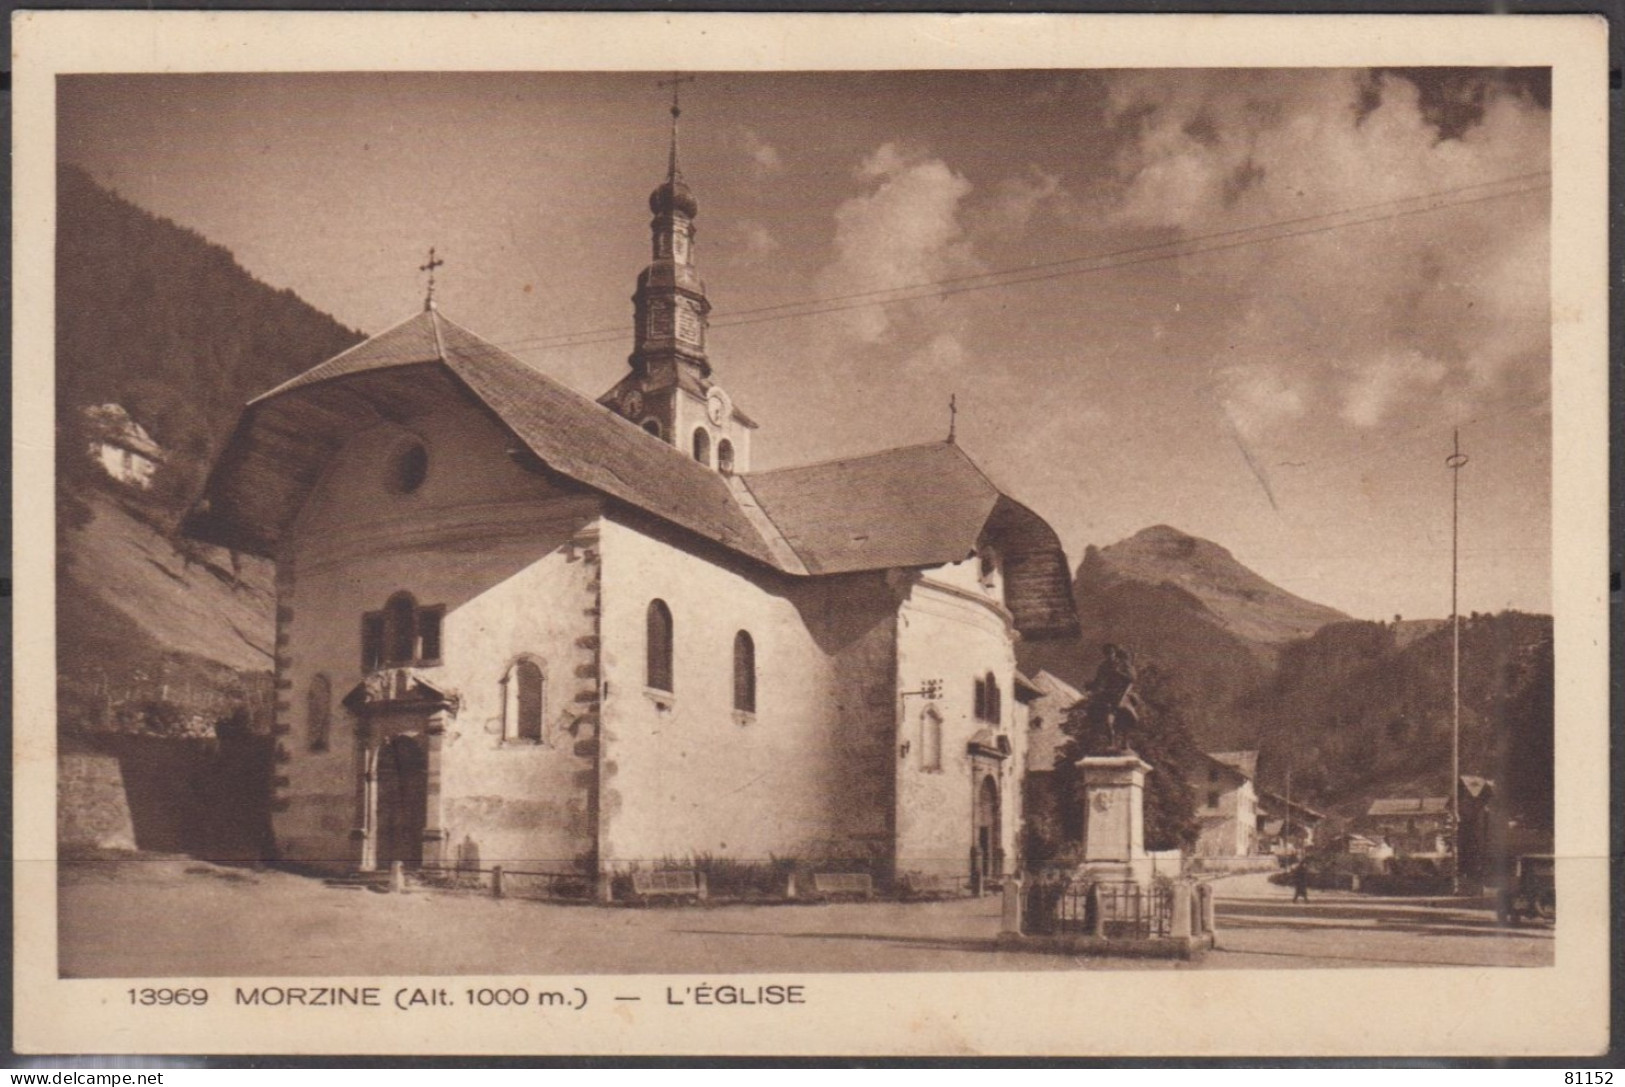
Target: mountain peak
1239,600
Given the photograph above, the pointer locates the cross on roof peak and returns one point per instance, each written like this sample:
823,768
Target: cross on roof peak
434,262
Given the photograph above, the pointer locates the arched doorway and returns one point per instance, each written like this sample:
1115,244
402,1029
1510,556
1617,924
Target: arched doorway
403,791
988,852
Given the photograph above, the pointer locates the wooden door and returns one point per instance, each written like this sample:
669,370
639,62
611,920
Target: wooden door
403,791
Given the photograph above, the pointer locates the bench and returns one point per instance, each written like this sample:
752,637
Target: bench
672,883
934,885
844,883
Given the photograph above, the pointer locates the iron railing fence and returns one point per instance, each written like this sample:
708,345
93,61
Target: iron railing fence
1116,910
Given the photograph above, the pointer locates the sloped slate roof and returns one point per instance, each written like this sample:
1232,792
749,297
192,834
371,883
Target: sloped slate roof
112,424
566,431
1243,762
920,505
912,507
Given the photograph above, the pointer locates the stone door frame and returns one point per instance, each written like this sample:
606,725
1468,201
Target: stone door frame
388,705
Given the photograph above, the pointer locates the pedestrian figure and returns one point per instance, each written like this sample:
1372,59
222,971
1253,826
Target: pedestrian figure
1300,882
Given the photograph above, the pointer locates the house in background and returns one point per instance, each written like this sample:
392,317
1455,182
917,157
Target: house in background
1362,845
1285,826
1226,803
1413,825
1048,825
556,633
121,445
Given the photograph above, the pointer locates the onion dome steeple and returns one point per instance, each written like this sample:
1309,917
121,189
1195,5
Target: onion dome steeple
670,303
669,390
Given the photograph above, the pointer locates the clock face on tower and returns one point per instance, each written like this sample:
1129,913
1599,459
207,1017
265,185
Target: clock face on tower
717,406
632,404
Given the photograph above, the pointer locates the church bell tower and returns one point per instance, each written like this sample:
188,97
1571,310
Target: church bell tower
669,391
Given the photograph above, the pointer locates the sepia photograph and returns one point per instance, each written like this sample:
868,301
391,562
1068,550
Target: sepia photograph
744,526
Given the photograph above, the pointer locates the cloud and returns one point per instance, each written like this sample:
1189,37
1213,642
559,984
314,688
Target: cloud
756,241
1369,323
902,228
1017,199
763,155
940,356
1256,398
1377,385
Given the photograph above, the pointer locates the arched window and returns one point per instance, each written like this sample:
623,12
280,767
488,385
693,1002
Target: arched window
702,446
400,629
401,634
318,713
744,673
652,425
930,739
725,457
659,643
524,700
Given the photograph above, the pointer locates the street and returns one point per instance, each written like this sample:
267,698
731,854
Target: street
1259,927
168,917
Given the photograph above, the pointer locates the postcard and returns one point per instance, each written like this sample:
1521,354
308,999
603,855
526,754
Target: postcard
552,534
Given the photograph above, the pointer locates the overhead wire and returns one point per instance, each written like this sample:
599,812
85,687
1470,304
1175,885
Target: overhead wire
1008,277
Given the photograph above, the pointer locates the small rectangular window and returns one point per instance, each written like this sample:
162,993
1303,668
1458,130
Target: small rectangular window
429,633
372,640
1213,798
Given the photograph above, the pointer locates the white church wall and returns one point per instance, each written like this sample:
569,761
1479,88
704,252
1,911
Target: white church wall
957,635
806,775
513,563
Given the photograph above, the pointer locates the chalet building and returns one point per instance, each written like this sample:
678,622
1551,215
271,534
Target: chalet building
518,624
1226,803
1412,825
1285,826
121,446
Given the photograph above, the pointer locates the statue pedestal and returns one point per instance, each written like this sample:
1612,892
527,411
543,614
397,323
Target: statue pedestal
1114,818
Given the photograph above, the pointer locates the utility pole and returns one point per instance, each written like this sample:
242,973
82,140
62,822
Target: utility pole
1455,461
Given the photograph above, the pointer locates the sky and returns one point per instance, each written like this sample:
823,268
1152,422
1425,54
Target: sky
1251,304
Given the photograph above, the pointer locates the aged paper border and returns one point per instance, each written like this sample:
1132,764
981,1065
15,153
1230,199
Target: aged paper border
1438,1011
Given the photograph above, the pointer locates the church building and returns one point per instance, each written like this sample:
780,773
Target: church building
560,634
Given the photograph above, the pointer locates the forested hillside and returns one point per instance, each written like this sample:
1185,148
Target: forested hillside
1355,710
152,316
1358,712
155,634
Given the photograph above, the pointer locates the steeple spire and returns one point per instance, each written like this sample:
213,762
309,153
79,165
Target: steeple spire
669,390
676,81
670,304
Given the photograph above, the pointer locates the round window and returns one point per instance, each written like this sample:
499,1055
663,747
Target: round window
408,468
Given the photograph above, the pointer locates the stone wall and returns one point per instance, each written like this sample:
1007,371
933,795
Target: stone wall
207,798
92,811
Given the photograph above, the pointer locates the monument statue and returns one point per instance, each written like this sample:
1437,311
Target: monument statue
1113,708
